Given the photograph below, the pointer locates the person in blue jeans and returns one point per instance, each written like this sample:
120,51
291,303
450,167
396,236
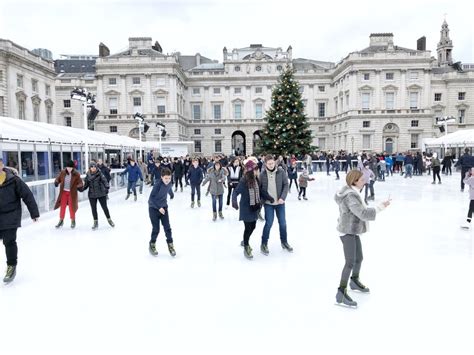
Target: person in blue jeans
134,173
409,165
274,183
158,211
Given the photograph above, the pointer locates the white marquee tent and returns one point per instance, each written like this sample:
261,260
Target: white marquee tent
458,139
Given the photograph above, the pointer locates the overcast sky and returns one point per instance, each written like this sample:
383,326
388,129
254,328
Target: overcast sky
326,30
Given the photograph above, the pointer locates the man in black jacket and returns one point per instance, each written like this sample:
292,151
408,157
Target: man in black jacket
466,162
12,191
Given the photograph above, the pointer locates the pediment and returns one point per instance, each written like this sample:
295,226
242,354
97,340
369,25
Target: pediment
438,107
66,113
21,95
49,102
414,87
237,101
160,92
366,88
136,92
36,100
462,106
390,87
112,92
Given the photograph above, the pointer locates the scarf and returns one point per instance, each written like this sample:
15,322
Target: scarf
254,194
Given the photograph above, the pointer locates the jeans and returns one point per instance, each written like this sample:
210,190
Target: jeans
353,255
156,217
270,211
132,185
214,199
11,248
369,186
140,185
408,170
194,189
103,204
249,228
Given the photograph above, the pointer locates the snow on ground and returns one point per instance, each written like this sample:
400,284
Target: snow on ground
101,292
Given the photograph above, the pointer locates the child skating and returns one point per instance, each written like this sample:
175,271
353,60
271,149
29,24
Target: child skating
303,179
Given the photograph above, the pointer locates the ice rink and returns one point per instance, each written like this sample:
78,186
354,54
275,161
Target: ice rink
101,292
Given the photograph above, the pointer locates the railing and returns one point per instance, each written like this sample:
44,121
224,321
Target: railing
46,193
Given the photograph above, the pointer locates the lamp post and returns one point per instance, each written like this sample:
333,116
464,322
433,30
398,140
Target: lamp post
140,118
87,99
161,133
442,123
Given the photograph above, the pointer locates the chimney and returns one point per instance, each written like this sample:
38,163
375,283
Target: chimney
157,47
421,44
380,39
198,59
139,42
103,50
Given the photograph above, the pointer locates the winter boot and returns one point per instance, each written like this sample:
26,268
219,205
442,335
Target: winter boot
214,216
73,223
287,247
181,189
135,198
96,225
112,224
356,285
221,216
152,249
175,189
264,249
10,274
199,203
299,198
171,249
248,252
60,224
439,182
192,204
343,297
126,198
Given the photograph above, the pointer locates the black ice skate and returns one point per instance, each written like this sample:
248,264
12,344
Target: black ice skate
171,249
287,247
73,223
95,225
60,224
112,224
343,297
356,285
153,250
10,274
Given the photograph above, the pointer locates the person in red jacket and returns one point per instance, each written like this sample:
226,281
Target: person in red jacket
69,181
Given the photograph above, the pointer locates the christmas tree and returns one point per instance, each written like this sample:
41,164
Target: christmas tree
287,129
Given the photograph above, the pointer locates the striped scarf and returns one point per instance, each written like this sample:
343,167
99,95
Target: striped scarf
254,193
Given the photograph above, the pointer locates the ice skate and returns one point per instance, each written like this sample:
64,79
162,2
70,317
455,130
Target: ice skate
466,226
60,224
192,204
73,223
356,285
95,225
221,216
112,224
10,274
248,252
214,216
199,203
344,298
171,249
264,249
126,198
287,247
152,249
135,198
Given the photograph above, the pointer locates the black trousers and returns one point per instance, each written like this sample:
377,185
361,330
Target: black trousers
103,204
178,179
11,249
353,255
471,210
156,217
463,175
296,183
302,191
229,191
249,228
195,189
436,173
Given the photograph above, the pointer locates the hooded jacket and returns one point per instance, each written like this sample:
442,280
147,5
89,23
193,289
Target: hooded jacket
354,215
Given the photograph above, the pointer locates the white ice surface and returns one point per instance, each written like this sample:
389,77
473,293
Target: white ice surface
84,292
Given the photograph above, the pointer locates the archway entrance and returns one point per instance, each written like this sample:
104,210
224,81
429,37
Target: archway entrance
257,141
389,145
238,143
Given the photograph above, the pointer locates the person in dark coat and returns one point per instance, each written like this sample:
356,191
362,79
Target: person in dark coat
98,187
250,203
187,165
178,167
69,181
466,162
293,175
104,170
12,191
134,173
195,177
155,174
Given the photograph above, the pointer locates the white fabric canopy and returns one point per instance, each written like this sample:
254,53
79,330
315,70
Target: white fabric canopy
461,138
39,132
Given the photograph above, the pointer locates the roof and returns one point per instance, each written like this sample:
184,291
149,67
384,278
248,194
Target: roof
74,66
459,138
189,61
307,64
384,48
145,52
85,76
209,66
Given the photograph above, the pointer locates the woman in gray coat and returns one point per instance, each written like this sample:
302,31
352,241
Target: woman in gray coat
216,177
354,216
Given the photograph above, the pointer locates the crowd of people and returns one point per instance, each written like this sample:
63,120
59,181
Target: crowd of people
262,182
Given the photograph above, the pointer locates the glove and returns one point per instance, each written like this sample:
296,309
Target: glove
56,184
235,205
272,200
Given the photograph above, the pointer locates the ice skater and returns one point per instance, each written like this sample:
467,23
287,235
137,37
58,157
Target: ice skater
304,178
436,165
195,177
134,174
69,181
216,177
354,216
469,180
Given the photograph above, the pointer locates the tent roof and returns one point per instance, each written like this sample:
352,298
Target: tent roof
13,129
459,138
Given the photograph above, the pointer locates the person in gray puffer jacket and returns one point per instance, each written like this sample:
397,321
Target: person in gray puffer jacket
354,216
216,177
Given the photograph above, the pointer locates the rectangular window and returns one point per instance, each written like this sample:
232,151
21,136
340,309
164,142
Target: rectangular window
136,80
322,143
197,146
237,91
321,88
68,121
414,123
67,103
113,129
366,76
217,110
218,146
49,114
112,81
366,141
196,91
161,105
36,110
19,80
217,131
366,124
258,90
321,129
336,105
197,131
21,109
196,111
365,101
413,75
322,109
237,110
461,96
217,91
137,102
34,85
258,110
160,82
47,90
388,76
437,97
113,105
414,141
347,102
462,116
413,100
390,100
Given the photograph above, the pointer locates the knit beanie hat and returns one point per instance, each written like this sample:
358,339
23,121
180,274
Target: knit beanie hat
92,164
70,164
250,165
